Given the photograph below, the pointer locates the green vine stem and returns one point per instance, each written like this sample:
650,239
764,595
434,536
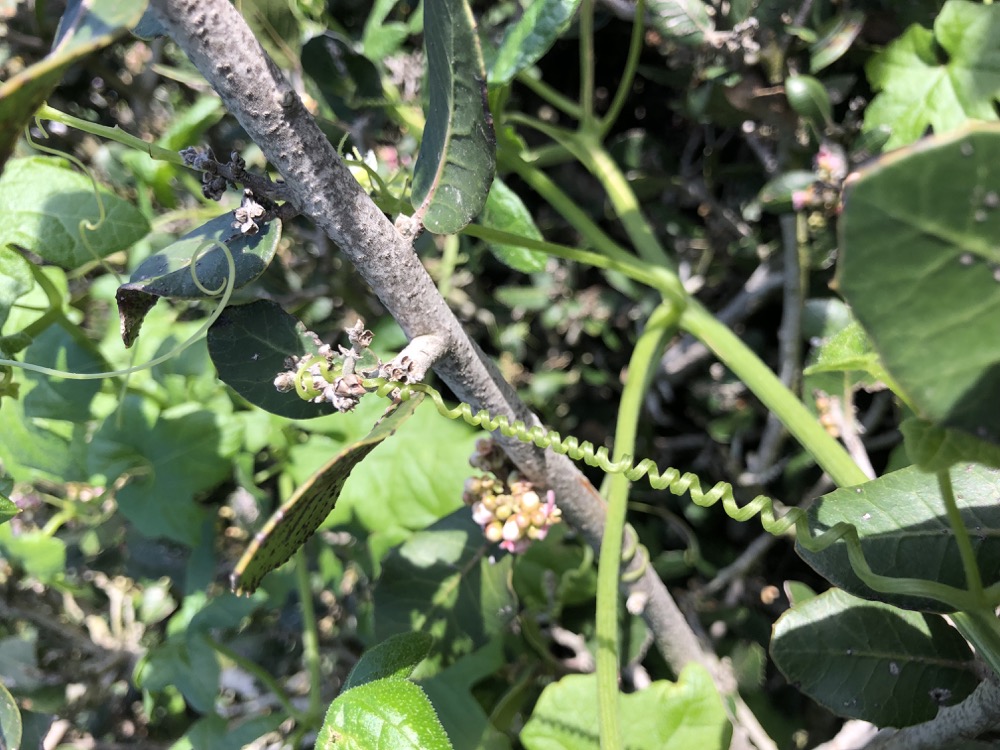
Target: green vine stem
265,679
641,366
112,134
973,580
688,483
310,633
631,67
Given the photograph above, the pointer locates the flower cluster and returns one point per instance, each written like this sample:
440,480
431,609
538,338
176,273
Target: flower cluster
510,512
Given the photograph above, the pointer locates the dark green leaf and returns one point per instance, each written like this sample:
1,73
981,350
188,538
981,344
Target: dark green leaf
809,98
390,714
665,716
457,159
169,458
61,398
172,271
93,24
526,41
249,345
935,448
870,661
836,40
506,211
904,531
298,517
441,581
921,87
394,657
345,78
920,265
45,202
189,665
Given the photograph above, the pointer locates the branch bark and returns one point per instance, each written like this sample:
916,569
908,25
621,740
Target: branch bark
217,40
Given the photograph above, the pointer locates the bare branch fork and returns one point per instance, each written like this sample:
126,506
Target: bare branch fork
217,40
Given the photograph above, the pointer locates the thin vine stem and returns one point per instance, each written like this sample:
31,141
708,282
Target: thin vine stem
263,676
973,579
628,74
310,633
586,23
644,358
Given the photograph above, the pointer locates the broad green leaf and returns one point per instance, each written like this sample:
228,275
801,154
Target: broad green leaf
249,345
300,516
86,26
935,448
39,554
526,41
169,459
410,482
15,280
870,661
458,707
441,581
382,715
10,720
173,271
684,21
836,40
918,265
921,86
61,398
190,665
213,732
506,211
44,203
29,448
457,159
904,531
665,716
395,657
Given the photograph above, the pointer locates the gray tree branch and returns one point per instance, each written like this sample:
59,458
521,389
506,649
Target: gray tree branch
217,40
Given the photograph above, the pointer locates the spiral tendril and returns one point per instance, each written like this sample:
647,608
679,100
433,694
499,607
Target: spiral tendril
688,483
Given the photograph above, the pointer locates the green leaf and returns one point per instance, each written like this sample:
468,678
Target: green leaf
190,665
172,271
684,21
665,716
506,211
345,78
922,87
849,350
808,97
380,39
526,41
870,661
460,712
28,445
298,517
935,448
457,159
44,204
441,581
919,267
213,732
61,398
93,25
170,458
382,715
778,195
37,553
15,280
249,345
836,40
904,531
394,657
7,508
10,720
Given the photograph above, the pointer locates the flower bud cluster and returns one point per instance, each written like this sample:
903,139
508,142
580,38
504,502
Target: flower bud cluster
511,512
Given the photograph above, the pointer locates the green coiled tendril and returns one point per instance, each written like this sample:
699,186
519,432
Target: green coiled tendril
688,483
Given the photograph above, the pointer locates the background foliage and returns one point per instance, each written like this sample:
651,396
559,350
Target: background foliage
138,494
